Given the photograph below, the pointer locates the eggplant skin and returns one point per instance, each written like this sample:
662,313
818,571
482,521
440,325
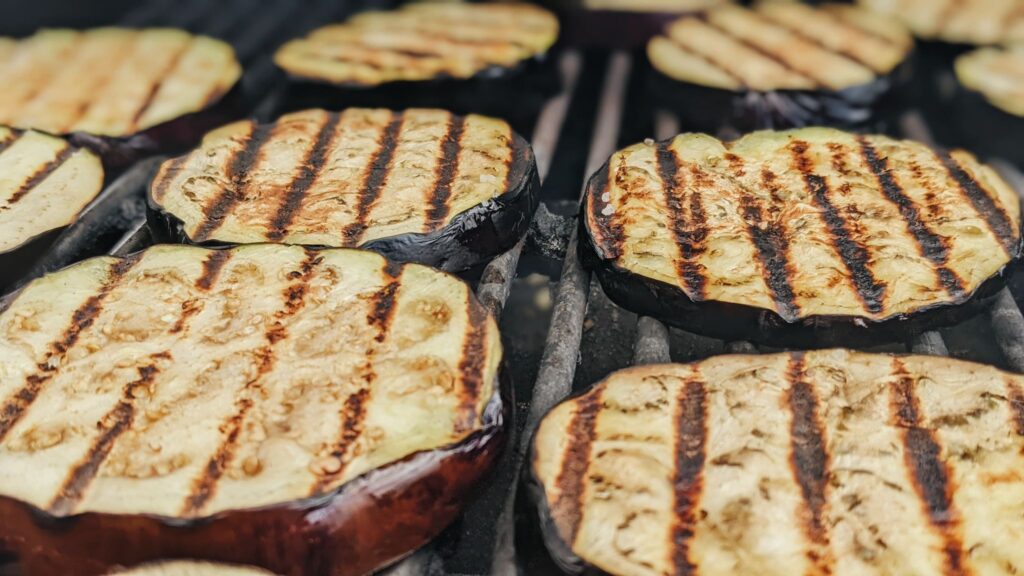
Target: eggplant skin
17,263
366,524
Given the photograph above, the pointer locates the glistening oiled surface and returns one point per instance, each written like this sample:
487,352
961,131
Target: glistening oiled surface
958,21
340,179
780,45
183,382
997,74
829,462
110,81
810,222
421,41
44,183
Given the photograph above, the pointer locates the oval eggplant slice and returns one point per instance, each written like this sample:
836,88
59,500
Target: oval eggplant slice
419,185
307,412
778,65
989,104
190,568
44,183
976,22
123,91
830,462
419,42
809,237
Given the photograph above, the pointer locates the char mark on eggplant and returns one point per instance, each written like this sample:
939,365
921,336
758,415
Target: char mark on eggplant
41,174
690,230
573,475
688,481
451,148
375,178
999,222
1016,395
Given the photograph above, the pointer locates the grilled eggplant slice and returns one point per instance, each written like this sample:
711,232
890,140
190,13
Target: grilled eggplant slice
972,22
419,42
779,65
830,462
125,92
44,183
419,185
809,237
306,412
990,101
190,568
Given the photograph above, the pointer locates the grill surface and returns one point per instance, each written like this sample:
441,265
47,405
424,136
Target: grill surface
560,337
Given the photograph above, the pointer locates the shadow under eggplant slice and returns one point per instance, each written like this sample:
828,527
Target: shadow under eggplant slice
126,93
421,185
807,238
846,462
46,183
232,426
780,65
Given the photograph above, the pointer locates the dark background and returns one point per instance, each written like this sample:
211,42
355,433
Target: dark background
22,17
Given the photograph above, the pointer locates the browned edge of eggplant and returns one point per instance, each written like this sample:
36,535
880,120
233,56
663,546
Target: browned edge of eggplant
729,321
867,107
514,93
16,263
471,238
172,136
366,524
988,131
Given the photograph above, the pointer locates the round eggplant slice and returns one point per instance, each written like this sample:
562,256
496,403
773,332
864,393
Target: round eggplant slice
306,412
779,65
421,42
810,237
420,185
124,92
972,22
191,568
830,462
990,102
44,183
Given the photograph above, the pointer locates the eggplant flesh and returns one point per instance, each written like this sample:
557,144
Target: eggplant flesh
466,239
685,468
191,568
371,493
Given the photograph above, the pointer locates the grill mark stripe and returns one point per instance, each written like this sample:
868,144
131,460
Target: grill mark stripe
168,70
1016,395
374,179
985,205
931,477
448,167
810,462
839,16
211,271
242,161
855,256
710,59
382,311
12,410
108,73
174,168
41,174
473,363
204,486
770,19
312,165
582,429
689,233
759,50
10,140
932,246
122,416
688,482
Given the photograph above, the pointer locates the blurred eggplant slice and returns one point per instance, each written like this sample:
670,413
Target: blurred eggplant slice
125,92
421,42
44,183
968,22
420,185
306,412
830,462
990,101
779,65
809,237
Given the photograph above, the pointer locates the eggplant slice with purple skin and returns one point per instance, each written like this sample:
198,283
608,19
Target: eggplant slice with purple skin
420,185
45,182
968,23
989,102
808,238
779,65
124,92
828,462
303,411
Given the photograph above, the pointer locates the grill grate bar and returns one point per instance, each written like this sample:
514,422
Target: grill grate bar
1008,328
652,345
930,343
562,346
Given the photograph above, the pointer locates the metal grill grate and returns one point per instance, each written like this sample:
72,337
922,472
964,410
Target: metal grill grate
601,107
